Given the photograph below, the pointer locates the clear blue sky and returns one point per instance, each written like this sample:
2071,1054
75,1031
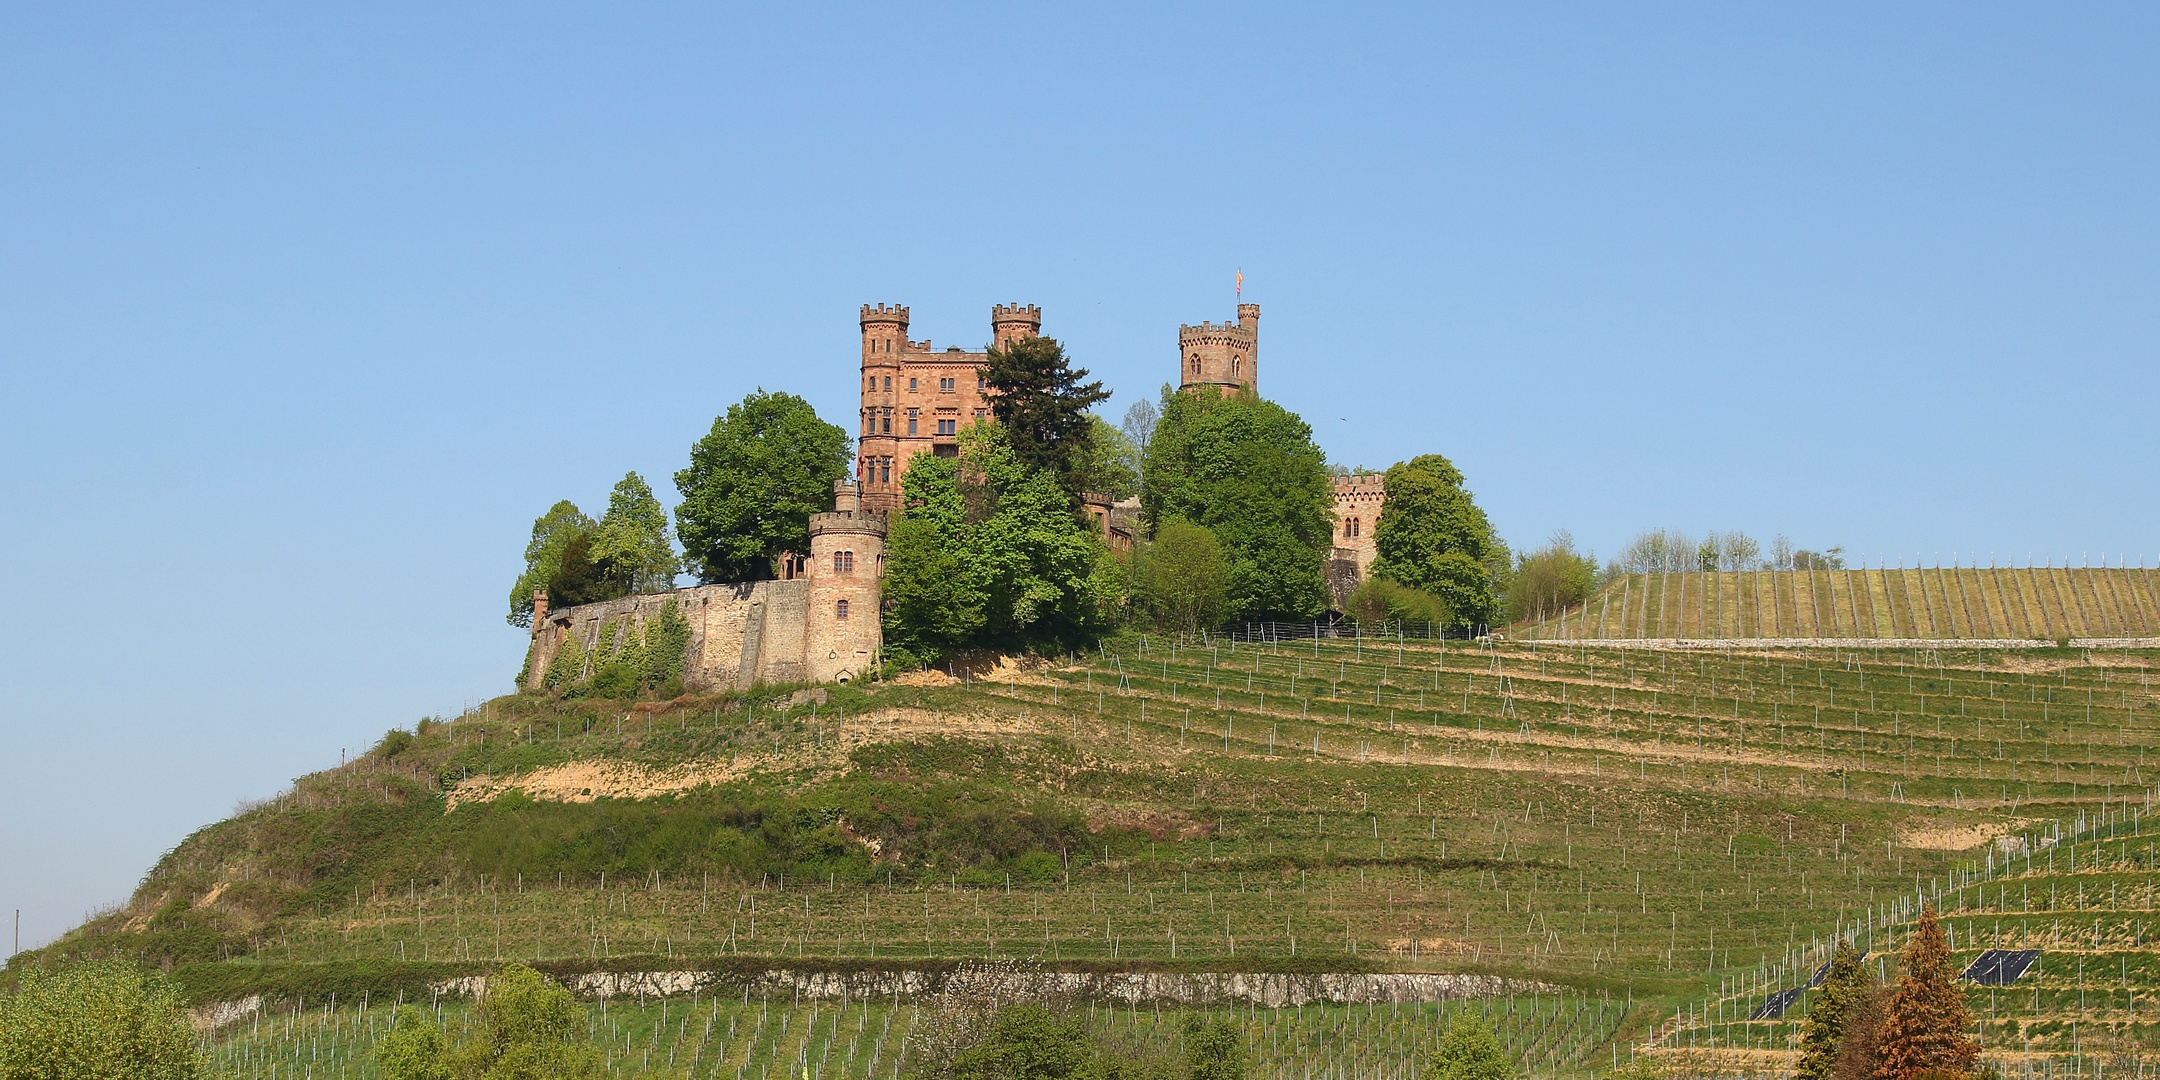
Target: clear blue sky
306,313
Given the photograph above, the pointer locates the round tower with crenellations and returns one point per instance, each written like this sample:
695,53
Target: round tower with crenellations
1223,356
847,559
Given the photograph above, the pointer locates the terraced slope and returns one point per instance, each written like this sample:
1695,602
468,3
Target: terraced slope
1886,605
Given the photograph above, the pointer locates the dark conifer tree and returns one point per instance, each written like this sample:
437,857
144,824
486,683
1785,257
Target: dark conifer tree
1043,405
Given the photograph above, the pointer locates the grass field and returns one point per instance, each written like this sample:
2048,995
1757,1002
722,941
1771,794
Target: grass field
1680,830
2024,604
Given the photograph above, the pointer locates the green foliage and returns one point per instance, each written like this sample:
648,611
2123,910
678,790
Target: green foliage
989,552
552,532
1182,578
1377,601
1925,1018
631,545
752,484
1469,1051
529,1029
413,1048
102,1020
1639,1067
1111,462
1551,579
1248,470
1214,1048
1432,536
1824,1028
1025,1042
627,657
393,743
1041,403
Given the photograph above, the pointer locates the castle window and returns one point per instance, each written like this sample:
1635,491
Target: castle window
888,421
885,472
1350,527
888,384
840,609
948,427
843,562
980,382
1235,365
1196,364
911,425
945,386
911,386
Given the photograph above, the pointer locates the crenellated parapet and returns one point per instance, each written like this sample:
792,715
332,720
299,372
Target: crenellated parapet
1225,356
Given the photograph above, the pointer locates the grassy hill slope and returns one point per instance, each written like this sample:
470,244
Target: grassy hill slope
1676,831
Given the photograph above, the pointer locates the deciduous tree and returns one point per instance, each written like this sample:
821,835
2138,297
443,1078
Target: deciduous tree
1828,1018
1183,577
1468,1051
1432,536
753,481
102,1019
551,534
1247,470
631,544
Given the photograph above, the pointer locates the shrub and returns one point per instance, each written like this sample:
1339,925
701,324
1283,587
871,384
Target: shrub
1468,1051
1183,578
394,743
1379,601
103,1019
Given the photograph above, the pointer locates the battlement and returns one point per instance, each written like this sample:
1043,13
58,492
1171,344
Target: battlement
1208,331
897,313
1013,322
847,521
1363,484
1016,312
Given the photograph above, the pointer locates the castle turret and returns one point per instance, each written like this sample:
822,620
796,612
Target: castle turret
847,557
847,498
1012,322
1224,356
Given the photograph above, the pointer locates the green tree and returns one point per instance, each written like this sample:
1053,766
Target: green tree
1551,579
101,1020
529,1029
989,552
1248,470
1825,1027
413,1048
1025,1042
1111,464
551,533
1432,536
1468,1051
579,578
1183,578
1377,601
631,544
1037,396
1214,1047
1925,1017
752,484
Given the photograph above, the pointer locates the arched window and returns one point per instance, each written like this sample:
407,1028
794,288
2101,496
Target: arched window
840,609
1235,365
843,562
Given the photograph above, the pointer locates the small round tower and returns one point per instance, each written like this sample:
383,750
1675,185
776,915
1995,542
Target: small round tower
1224,356
847,559
1012,322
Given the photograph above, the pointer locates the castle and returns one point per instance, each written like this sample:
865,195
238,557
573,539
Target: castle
818,622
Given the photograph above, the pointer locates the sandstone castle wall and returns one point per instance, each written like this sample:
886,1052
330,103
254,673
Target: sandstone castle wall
819,627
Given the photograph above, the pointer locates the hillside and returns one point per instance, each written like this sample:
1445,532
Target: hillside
1889,605
1642,840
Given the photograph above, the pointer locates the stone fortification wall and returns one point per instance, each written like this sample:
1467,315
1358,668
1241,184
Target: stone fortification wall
740,634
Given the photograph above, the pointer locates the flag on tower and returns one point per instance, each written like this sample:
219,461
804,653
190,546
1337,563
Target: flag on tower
1241,283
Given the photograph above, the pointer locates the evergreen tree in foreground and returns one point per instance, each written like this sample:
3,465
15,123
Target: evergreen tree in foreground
1469,1051
1924,1021
1827,1020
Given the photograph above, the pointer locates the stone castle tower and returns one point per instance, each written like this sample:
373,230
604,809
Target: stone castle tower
915,398
1226,357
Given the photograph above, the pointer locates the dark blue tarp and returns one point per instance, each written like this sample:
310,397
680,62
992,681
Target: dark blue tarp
1775,1005
2001,967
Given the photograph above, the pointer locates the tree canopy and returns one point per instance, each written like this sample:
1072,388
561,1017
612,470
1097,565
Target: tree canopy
752,484
1248,470
1468,1051
1551,579
1042,404
987,550
1828,1020
528,1027
552,533
1182,578
632,545
1432,536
